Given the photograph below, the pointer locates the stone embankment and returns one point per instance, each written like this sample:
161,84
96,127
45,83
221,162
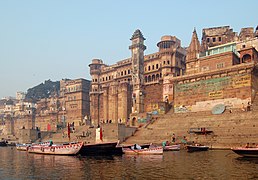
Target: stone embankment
81,133
228,129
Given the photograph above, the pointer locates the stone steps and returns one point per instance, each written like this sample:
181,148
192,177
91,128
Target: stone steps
228,128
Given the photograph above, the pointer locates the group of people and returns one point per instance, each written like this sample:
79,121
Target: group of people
253,145
173,140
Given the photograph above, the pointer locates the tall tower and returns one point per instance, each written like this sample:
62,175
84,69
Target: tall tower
192,56
95,69
137,48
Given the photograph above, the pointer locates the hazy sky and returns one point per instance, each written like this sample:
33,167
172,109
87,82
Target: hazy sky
57,39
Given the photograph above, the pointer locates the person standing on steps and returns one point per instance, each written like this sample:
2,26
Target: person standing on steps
173,138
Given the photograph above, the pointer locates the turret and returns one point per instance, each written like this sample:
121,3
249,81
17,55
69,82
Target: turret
95,69
137,49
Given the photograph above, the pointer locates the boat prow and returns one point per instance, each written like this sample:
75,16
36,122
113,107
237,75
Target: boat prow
246,152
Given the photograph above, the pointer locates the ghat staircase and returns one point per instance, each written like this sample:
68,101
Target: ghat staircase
225,130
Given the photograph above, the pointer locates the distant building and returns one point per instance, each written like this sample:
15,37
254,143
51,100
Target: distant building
20,95
74,100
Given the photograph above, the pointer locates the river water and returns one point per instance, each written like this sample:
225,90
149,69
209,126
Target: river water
212,164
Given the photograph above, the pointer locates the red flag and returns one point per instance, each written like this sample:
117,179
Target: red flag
68,131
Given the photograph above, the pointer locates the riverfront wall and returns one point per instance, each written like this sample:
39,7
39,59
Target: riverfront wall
233,88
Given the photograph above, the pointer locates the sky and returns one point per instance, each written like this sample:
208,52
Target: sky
57,39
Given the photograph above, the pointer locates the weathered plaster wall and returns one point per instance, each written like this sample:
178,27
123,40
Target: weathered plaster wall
232,90
153,94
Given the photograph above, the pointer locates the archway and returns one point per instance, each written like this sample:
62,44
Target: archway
133,121
246,58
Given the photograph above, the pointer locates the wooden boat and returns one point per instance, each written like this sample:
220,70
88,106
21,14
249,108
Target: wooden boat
22,147
100,149
145,151
196,147
56,149
246,152
3,143
174,147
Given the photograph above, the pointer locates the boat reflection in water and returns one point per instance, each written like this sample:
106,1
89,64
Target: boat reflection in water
62,166
143,158
171,165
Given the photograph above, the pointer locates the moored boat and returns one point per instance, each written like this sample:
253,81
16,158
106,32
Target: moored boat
3,143
22,147
57,149
246,152
196,147
100,149
173,147
152,150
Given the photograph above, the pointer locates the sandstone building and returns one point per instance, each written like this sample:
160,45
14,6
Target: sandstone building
47,114
219,70
134,85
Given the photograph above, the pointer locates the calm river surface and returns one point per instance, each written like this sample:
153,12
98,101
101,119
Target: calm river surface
213,164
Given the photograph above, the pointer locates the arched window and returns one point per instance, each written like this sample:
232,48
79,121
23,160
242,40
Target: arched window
125,72
149,68
157,76
149,78
246,58
146,79
153,67
157,66
129,71
122,73
153,77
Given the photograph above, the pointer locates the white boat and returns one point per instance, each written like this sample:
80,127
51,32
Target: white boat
152,150
22,147
173,147
57,149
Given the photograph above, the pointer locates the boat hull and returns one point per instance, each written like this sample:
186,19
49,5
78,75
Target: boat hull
3,143
145,151
246,152
191,148
22,147
175,147
100,149
67,149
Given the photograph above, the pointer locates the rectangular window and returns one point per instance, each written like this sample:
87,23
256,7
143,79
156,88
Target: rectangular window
220,65
214,39
219,38
205,68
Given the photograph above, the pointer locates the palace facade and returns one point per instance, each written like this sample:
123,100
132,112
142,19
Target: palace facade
221,69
